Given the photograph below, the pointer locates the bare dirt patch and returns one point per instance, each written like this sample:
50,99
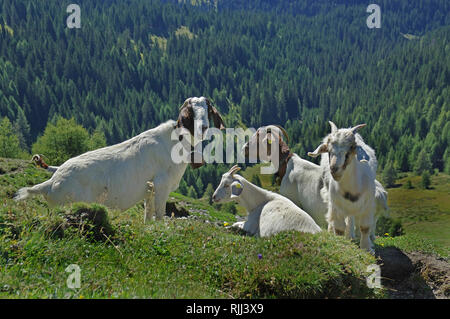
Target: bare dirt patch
414,275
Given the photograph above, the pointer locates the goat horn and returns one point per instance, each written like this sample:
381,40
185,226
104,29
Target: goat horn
284,132
357,127
333,127
234,169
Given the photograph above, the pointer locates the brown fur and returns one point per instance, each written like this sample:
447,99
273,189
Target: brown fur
215,116
40,162
186,120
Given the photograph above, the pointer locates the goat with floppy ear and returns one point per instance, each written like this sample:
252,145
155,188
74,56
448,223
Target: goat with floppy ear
268,212
119,176
194,116
351,186
195,113
306,183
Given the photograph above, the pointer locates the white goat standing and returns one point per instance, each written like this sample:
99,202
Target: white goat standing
351,191
268,213
306,183
118,175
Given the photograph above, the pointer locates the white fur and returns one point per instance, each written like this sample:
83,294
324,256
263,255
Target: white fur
268,213
306,184
121,175
117,175
358,179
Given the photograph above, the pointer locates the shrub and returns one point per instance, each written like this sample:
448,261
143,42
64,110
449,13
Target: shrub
66,139
389,225
208,193
91,220
425,182
389,175
229,207
408,185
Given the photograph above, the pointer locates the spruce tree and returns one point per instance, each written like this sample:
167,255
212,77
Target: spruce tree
389,175
9,142
423,163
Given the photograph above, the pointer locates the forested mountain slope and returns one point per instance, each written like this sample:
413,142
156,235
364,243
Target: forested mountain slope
295,63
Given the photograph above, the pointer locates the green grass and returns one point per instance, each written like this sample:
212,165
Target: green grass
173,258
424,213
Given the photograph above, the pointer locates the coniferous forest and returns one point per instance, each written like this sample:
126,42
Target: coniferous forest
295,63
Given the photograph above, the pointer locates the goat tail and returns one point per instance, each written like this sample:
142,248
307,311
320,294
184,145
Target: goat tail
26,192
381,205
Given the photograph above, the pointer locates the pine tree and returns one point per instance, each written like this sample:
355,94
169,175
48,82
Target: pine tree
425,182
22,129
423,163
183,189
256,180
9,142
199,186
191,192
389,175
208,193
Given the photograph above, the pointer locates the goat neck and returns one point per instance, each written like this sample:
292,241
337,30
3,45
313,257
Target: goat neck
350,181
252,196
285,155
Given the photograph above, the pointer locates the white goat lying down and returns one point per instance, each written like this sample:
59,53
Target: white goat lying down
351,191
121,175
303,182
268,213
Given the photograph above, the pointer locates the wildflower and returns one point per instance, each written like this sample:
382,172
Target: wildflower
226,224
386,234
259,256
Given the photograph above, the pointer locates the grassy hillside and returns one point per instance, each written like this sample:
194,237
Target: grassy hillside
195,257
424,213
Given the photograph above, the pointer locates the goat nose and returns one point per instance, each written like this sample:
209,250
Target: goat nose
334,169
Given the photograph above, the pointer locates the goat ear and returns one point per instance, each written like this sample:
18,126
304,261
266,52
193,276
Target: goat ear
186,117
333,127
284,132
236,189
319,150
357,127
195,163
215,116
